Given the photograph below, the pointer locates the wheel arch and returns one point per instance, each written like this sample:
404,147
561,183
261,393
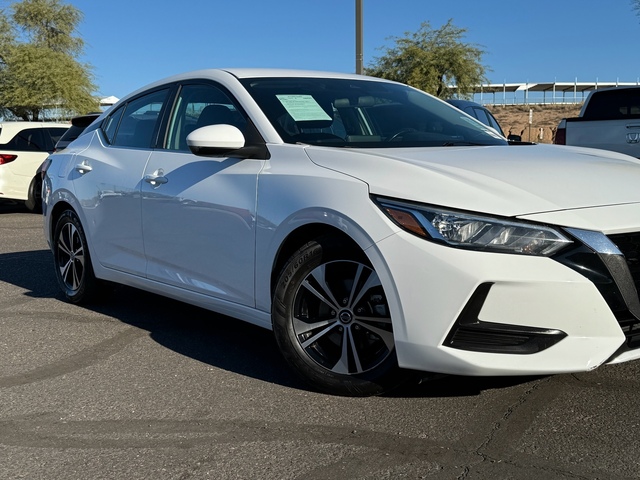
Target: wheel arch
353,237
56,211
297,238
311,231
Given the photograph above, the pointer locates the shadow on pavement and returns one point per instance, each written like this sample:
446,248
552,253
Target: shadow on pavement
208,337
31,271
12,206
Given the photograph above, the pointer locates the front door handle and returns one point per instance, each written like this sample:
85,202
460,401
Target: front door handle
156,179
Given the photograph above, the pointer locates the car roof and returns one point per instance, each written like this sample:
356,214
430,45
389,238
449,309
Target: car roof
22,125
263,73
279,72
241,73
619,87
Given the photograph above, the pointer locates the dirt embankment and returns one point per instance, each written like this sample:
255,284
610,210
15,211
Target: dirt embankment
514,119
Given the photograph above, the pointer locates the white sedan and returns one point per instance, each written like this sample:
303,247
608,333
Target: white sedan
374,228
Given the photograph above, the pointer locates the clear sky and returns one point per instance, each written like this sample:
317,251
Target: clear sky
133,42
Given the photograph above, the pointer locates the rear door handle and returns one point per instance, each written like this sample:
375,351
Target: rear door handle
83,167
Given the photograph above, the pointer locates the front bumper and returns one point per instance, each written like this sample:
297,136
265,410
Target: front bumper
562,317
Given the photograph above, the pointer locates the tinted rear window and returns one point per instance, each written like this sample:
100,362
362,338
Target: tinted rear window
55,133
71,134
34,139
613,105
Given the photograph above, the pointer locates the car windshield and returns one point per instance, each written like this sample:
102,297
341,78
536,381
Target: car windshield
363,114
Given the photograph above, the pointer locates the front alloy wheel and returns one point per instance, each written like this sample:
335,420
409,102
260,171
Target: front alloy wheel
341,319
332,321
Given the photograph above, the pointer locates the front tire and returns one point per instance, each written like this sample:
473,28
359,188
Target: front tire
72,261
332,323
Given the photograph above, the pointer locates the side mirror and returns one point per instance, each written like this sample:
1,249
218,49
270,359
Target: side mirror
215,140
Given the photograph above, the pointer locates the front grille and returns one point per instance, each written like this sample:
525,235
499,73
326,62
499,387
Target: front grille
629,245
617,277
630,327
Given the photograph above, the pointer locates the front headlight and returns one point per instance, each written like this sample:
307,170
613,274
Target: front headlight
476,232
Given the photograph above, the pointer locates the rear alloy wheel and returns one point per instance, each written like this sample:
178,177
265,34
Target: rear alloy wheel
332,322
72,261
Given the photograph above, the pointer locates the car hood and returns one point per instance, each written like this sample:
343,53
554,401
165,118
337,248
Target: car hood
502,180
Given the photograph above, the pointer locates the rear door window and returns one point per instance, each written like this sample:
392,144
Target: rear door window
110,125
139,122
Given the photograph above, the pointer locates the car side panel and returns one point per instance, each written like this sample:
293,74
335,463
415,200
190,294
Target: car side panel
199,226
106,181
294,192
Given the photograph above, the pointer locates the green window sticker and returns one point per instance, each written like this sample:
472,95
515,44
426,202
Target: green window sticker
303,108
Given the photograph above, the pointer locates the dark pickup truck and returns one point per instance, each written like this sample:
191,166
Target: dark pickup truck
609,119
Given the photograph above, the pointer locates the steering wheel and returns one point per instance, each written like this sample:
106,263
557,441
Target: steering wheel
401,133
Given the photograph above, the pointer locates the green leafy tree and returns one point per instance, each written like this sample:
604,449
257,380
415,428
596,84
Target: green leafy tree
432,60
39,67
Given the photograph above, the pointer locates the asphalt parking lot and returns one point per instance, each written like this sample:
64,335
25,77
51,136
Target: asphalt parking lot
142,387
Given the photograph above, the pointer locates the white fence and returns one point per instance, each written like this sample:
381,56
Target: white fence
540,93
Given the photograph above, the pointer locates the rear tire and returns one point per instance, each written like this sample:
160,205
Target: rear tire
332,323
34,196
72,260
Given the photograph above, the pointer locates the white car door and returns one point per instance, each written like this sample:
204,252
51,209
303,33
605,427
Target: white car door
118,156
199,214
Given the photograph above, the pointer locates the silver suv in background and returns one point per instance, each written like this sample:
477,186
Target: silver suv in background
78,125
483,114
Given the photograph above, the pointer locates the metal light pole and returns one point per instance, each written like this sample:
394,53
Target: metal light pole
359,38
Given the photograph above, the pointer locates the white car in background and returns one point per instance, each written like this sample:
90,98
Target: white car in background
23,148
376,229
